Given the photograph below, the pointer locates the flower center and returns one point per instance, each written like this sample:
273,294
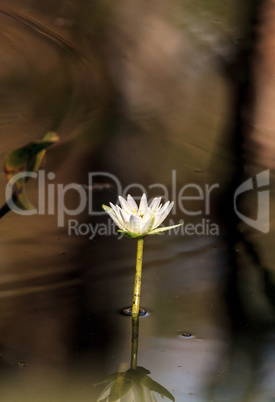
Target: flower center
139,213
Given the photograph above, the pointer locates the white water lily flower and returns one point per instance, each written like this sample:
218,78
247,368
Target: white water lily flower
139,221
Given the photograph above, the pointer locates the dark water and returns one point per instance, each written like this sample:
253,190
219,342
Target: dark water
151,93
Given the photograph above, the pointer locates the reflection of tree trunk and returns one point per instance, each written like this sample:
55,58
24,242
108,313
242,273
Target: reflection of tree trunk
240,74
249,81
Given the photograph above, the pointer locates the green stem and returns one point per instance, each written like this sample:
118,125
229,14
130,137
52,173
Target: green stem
136,303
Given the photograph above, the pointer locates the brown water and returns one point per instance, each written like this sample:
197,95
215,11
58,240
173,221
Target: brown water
140,91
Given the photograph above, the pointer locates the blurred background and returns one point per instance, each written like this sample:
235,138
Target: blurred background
140,89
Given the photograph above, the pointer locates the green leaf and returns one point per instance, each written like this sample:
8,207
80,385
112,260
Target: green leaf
160,230
110,378
142,371
130,373
28,158
137,374
129,234
156,387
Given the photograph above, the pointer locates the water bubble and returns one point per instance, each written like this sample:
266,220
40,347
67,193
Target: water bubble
128,311
185,334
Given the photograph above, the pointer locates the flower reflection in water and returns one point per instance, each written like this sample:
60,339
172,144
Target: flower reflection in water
133,385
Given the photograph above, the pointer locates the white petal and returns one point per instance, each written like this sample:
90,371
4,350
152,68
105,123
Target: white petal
116,216
147,226
125,217
128,397
116,210
125,205
135,224
147,215
132,202
161,215
118,223
155,204
143,203
105,393
142,393
109,210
